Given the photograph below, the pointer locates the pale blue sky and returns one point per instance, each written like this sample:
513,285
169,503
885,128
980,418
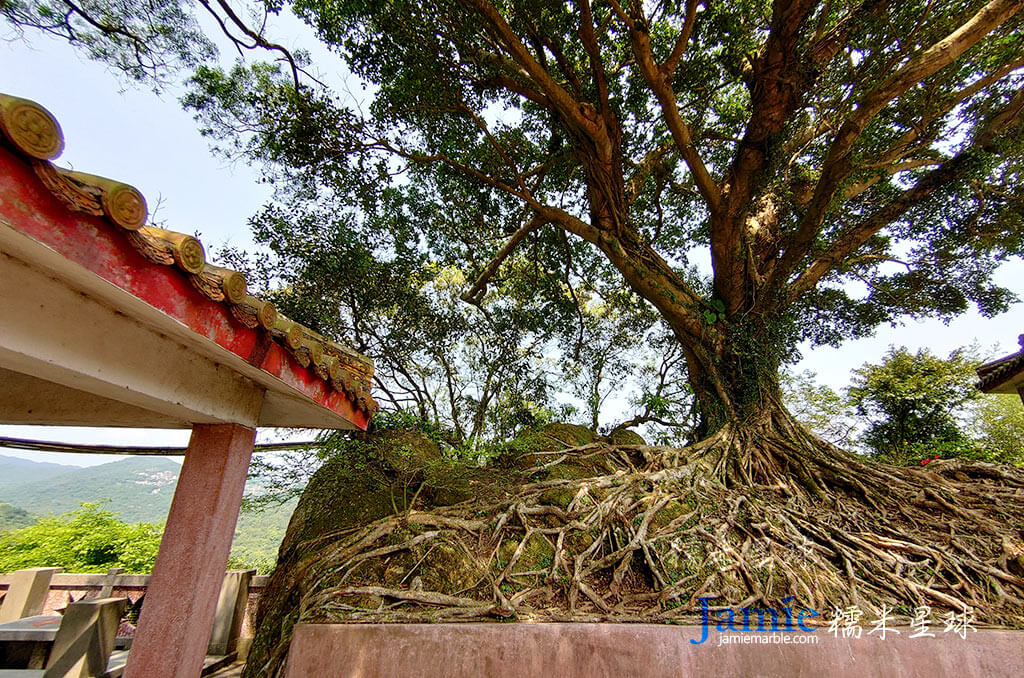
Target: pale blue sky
133,135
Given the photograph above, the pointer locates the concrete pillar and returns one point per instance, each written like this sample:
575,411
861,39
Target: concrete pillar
177,617
107,589
26,593
85,638
227,622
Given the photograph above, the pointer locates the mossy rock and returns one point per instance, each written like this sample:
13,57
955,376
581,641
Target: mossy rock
557,496
529,448
407,452
572,435
667,514
364,484
537,554
624,436
576,467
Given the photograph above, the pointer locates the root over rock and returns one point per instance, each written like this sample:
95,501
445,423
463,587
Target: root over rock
577,528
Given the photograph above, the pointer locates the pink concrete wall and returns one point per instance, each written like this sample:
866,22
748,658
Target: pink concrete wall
522,650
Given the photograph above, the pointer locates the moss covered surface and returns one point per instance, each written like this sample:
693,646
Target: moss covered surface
566,525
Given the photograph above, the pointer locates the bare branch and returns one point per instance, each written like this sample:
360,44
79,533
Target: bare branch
644,169
473,294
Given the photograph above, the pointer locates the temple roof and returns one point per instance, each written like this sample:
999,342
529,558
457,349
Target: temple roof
35,135
1004,375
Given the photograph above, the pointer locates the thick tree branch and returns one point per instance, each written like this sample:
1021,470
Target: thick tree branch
776,86
826,45
564,102
951,171
836,166
594,57
668,68
641,43
898,149
473,294
644,170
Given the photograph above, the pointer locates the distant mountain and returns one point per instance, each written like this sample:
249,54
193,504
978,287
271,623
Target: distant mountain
139,488
15,471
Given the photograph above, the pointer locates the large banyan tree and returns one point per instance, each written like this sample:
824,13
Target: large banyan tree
760,173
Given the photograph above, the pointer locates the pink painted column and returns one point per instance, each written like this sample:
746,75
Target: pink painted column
177,616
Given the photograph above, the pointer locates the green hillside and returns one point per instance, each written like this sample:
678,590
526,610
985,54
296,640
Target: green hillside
12,517
139,489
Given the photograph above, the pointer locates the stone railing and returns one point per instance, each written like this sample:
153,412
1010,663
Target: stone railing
233,625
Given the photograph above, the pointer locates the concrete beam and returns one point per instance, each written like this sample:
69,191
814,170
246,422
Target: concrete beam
68,338
85,638
177,617
25,399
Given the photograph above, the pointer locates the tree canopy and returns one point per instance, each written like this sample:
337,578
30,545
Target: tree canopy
753,173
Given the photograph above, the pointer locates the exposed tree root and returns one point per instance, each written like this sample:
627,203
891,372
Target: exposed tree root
746,517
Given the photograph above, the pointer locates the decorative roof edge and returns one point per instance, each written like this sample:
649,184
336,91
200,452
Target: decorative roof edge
992,374
34,132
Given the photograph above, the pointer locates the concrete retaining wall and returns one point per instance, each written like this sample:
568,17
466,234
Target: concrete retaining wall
523,650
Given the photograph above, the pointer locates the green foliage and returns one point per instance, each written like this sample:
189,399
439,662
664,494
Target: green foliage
144,40
818,407
996,423
258,536
12,517
911,400
88,539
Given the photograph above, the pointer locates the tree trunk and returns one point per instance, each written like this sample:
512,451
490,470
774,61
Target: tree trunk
740,381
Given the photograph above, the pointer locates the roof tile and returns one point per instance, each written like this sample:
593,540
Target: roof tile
33,132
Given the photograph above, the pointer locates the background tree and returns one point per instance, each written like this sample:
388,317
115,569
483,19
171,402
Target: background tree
86,540
820,408
996,425
482,371
911,402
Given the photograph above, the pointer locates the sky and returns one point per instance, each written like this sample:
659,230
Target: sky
125,132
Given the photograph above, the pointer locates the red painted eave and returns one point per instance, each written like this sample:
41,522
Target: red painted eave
98,246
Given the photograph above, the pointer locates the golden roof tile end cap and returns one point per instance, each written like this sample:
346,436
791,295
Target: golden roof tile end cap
34,132
31,128
289,331
187,251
